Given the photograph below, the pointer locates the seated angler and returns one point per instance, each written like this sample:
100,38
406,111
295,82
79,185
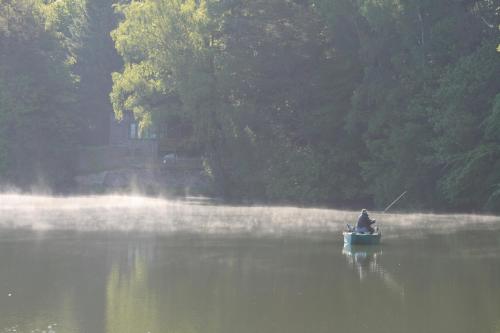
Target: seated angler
364,224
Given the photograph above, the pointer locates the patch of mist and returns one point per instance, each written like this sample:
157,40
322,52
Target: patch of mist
130,213
417,225
139,213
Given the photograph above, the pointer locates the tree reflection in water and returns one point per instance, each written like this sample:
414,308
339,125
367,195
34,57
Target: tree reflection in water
131,306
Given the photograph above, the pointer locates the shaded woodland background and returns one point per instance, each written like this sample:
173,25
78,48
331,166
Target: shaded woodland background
312,102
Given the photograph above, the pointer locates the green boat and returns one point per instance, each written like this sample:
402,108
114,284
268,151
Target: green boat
355,238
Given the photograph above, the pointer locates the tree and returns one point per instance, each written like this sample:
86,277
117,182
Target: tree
334,102
84,27
36,97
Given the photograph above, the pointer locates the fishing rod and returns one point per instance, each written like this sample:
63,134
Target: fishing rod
351,229
397,199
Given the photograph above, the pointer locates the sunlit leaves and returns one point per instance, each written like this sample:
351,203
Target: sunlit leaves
329,100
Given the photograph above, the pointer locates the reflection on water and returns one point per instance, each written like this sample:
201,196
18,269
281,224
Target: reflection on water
130,304
104,282
365,260
274,270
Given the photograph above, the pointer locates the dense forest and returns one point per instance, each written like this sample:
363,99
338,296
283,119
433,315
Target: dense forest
314,102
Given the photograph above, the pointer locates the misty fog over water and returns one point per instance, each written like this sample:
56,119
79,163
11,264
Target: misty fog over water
129,213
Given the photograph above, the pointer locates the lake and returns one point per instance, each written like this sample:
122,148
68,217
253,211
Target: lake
134,264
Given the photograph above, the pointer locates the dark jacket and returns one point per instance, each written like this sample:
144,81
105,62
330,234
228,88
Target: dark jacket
364,222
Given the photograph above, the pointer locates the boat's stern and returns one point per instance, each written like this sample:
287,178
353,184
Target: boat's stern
347,237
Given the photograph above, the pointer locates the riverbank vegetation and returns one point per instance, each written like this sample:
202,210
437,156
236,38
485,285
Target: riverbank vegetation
314,102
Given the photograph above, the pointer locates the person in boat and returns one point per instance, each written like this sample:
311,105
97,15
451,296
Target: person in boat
365,223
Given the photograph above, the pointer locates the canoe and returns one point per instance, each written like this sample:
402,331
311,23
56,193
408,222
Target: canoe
361,239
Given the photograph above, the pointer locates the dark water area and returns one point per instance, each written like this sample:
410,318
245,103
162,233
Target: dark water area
92,265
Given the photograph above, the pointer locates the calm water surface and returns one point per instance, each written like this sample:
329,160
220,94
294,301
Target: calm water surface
127,264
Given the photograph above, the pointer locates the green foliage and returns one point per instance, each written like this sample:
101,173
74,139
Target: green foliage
428,84
245,79
36,97
466,127
335,102
84,27
67,19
